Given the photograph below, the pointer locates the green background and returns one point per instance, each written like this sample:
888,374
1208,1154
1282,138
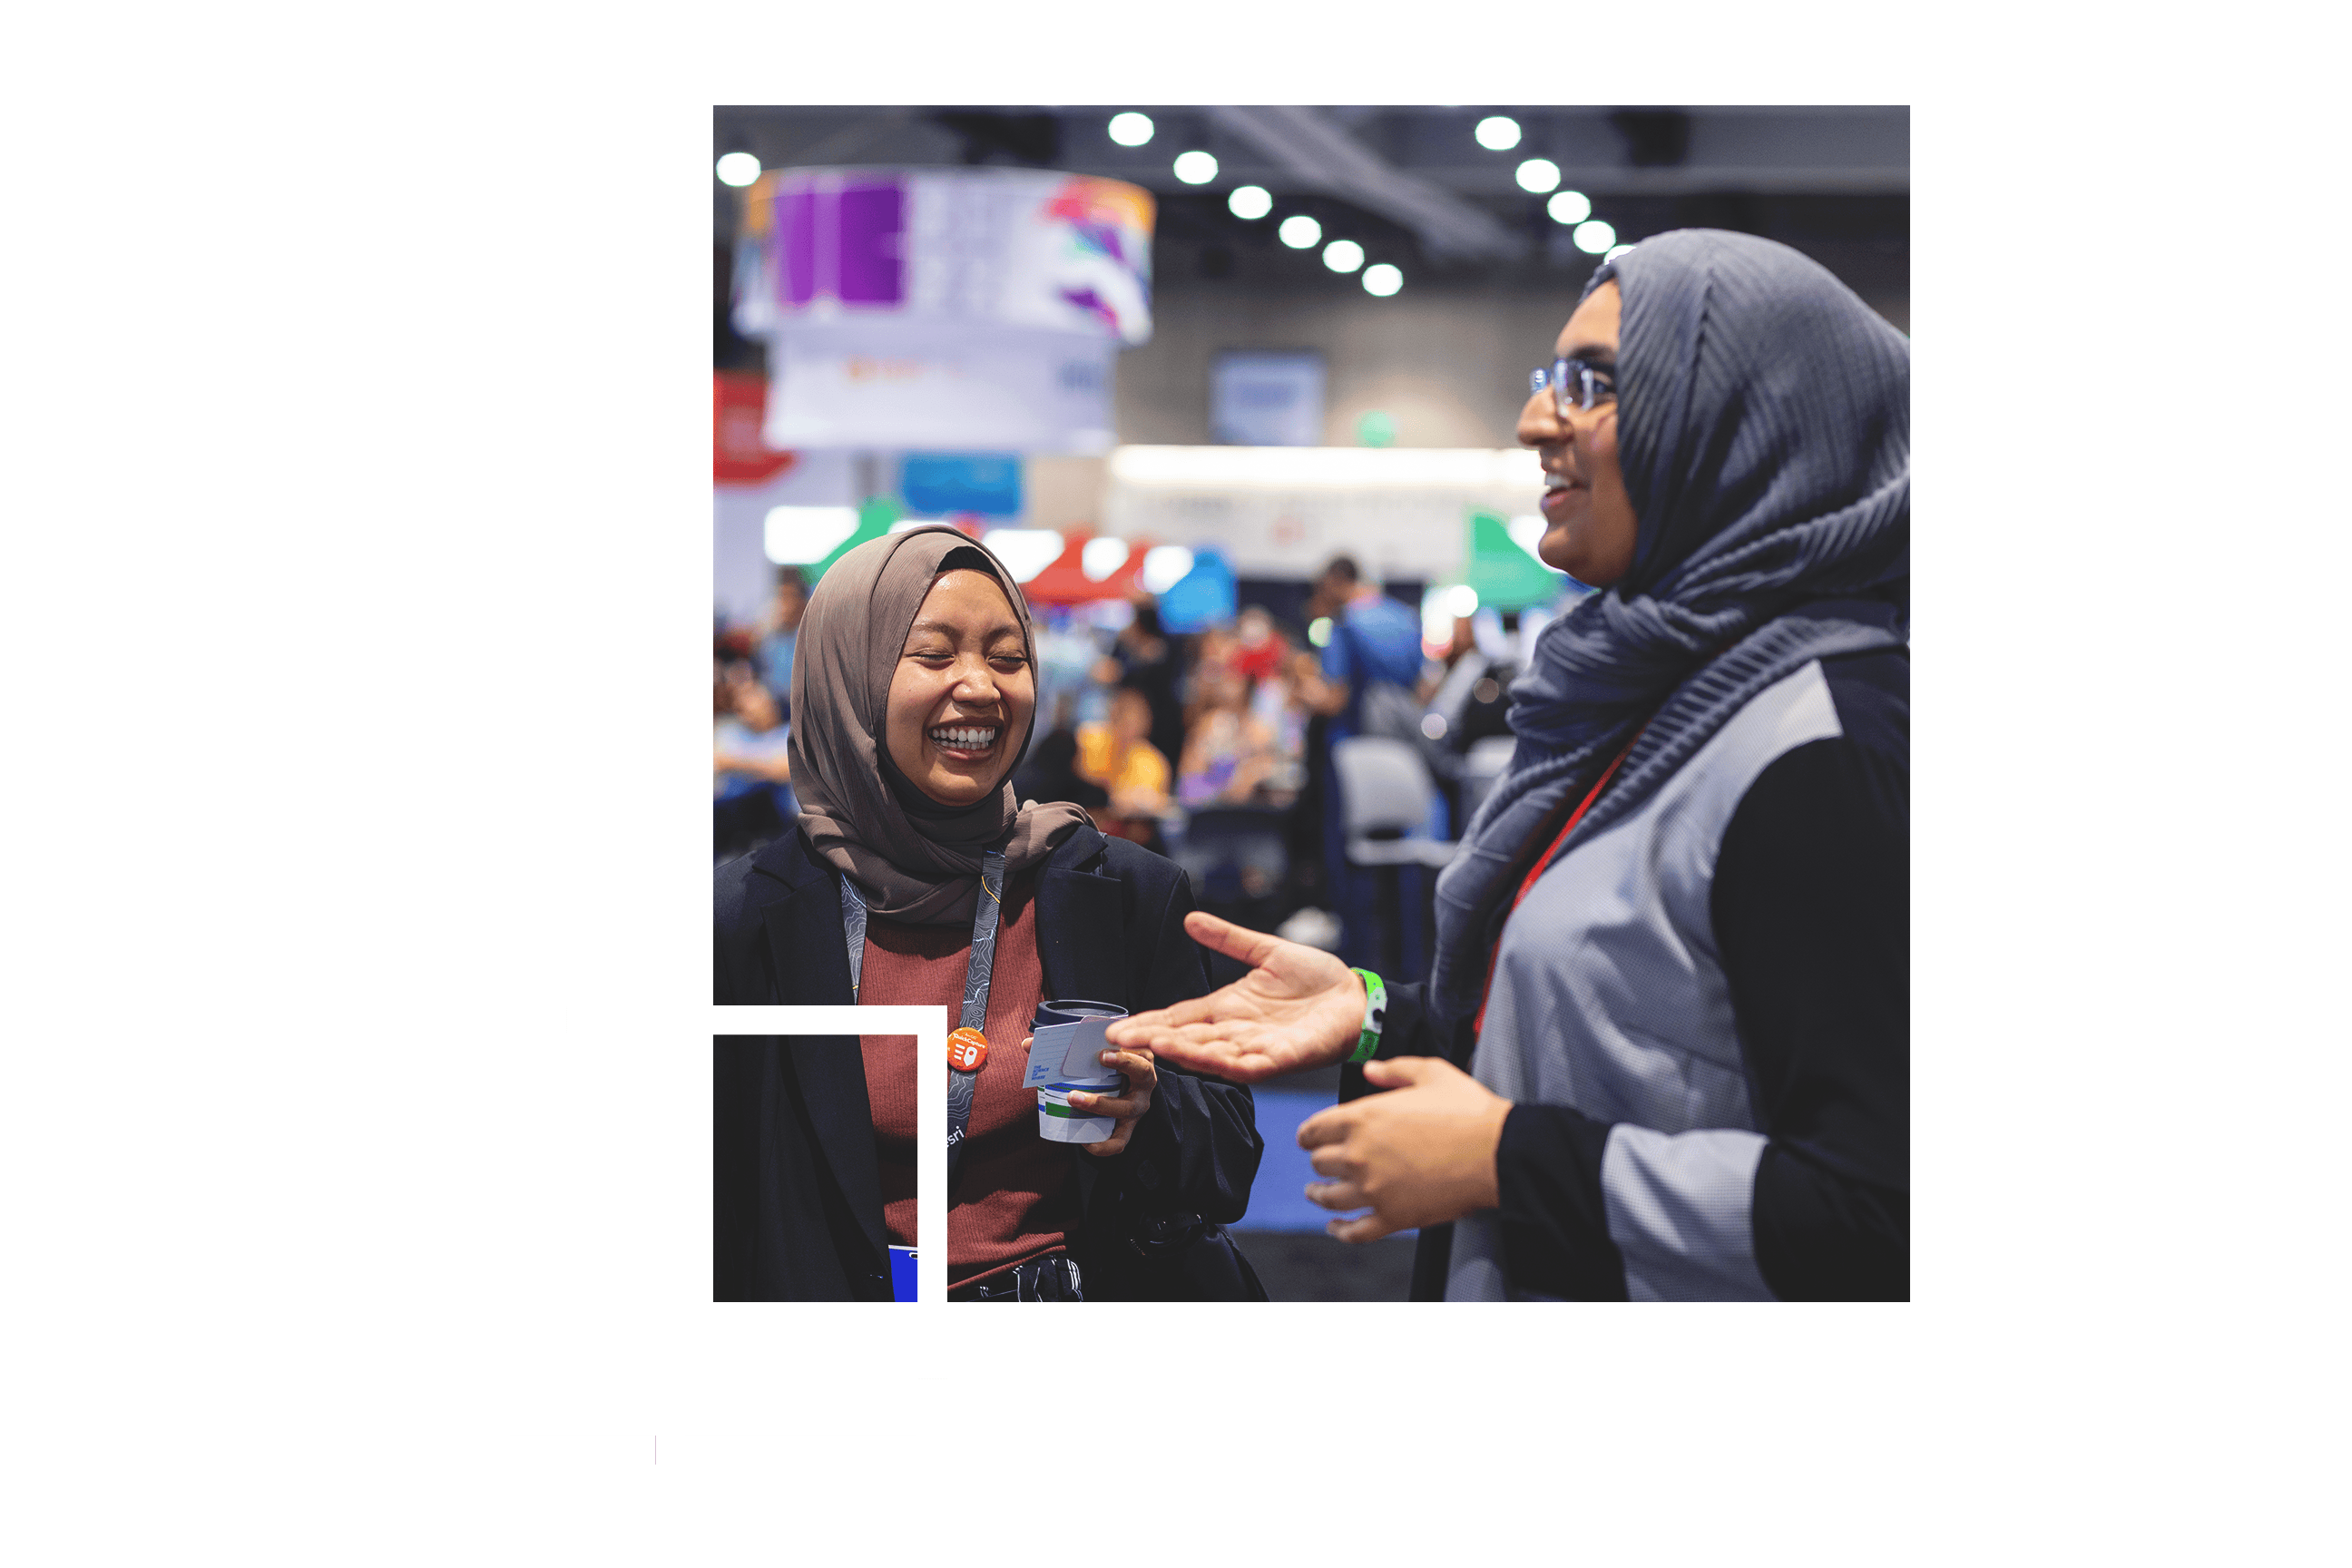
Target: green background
359,627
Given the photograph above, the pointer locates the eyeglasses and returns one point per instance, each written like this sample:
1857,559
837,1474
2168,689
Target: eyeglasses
1575,385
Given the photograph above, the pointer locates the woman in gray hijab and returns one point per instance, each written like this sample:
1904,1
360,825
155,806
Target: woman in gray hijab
915,877
1674,947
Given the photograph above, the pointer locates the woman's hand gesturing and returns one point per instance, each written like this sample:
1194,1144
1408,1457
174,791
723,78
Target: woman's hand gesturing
1422,1154
1298,1007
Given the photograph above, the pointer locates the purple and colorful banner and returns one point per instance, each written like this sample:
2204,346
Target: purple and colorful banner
955,307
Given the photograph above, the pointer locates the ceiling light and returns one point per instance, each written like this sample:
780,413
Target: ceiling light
1249,201
1497,133
1195,168
1299,231
1343,256
1614,251
1570,206
738,169
1382,279
1539,175
1594,237
1130,130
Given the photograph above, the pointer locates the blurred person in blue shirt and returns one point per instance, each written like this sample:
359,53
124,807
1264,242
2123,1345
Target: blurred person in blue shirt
747,740
1374,641
751,776
1373,638
778,628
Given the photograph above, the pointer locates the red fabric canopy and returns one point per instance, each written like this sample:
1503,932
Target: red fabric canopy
1065,581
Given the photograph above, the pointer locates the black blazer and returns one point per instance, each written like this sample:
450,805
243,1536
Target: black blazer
794,1131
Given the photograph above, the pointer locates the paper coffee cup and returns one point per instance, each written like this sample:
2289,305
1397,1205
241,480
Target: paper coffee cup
1065,1054
1058,1122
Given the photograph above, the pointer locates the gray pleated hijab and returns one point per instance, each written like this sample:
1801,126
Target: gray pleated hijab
1764,426
921,866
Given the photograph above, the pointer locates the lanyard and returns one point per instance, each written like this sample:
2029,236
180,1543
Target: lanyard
975,985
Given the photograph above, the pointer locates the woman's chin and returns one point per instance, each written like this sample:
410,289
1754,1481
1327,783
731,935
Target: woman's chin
963,783
1556,548
1564,551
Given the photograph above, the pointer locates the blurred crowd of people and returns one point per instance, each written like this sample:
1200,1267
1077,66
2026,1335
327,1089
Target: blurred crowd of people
1153,733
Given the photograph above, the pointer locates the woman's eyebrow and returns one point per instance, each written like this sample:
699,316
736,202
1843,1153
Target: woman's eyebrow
1010,628
1600,356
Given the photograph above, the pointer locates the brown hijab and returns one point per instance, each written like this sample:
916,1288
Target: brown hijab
921,867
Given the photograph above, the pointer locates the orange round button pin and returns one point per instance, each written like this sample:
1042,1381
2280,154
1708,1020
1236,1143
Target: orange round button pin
966,1049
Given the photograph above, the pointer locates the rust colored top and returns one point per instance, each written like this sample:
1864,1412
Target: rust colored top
1012,1197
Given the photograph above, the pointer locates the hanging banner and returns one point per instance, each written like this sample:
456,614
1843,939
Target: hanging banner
947,307
986,484
901,383
1266,399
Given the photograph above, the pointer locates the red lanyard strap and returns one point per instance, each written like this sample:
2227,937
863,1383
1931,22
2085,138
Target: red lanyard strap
1543,863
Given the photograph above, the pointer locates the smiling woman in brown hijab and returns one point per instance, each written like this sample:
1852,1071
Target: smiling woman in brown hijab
915,858
913,697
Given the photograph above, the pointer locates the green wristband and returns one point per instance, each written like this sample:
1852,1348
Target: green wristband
1376,1006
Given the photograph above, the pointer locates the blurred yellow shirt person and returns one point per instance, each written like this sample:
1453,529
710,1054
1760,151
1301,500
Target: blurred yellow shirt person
1118,756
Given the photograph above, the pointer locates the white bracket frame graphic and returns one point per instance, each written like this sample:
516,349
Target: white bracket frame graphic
923,1447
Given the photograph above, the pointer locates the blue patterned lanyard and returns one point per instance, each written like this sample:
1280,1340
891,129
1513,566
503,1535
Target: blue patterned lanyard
975,983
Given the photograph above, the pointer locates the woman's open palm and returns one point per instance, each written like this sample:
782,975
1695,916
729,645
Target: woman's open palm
1298,1007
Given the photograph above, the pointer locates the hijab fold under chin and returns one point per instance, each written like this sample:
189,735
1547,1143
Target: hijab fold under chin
921,868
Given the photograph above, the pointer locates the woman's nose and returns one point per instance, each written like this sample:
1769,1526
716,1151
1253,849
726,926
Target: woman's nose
1539,423
976,682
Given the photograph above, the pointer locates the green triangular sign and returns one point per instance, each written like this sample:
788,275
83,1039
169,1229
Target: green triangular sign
874,521
1504,575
